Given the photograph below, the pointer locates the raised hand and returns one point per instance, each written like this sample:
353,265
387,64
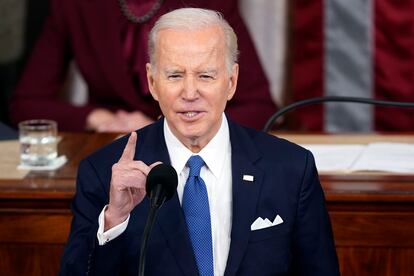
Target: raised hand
127,184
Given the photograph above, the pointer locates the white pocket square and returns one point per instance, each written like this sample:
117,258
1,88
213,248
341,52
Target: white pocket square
260,223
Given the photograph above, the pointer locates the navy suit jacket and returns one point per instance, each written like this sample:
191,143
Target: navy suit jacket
285,183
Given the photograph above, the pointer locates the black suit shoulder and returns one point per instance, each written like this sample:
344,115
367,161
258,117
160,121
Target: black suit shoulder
275,149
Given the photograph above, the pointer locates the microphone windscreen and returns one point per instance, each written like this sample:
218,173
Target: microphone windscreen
164,175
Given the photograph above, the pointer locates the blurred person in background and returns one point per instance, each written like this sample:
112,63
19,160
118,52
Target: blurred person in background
107,41
12,13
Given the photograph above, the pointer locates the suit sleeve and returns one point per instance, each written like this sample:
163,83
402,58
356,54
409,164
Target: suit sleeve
82,254
37,93
314,249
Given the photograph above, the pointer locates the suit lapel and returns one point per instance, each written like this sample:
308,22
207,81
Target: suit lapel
170,217
172,223
245,194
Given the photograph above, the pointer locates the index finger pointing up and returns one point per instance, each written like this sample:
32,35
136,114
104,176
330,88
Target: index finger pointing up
129,150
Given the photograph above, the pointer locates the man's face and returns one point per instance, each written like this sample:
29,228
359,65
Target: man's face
191,82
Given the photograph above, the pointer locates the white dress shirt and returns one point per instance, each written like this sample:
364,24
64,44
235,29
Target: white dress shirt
217,177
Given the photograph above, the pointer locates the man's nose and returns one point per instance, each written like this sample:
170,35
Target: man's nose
190,90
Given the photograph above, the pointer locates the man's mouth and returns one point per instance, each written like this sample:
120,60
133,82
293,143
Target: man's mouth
190,114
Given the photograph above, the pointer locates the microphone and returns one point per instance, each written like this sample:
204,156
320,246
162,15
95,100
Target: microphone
310,101
161,185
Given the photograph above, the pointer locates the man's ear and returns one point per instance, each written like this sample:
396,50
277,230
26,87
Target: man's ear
233,81
151,80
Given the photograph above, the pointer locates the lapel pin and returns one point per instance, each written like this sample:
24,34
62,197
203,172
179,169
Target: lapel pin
248,177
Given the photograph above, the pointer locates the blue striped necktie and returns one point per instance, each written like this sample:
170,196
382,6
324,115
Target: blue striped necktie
197,215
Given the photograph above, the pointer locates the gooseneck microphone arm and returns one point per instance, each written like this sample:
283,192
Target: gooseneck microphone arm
161,185
316,100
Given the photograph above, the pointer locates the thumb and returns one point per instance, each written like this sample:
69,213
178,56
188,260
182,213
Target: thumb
155,164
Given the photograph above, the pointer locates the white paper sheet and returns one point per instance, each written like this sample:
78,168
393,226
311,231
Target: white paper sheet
335,157
389,157
382,156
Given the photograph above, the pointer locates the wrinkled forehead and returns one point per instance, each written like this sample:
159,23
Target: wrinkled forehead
190,41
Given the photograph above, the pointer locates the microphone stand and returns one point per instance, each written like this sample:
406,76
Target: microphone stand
316,100
157,198
145,237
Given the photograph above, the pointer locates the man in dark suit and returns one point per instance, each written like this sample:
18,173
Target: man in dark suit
247,203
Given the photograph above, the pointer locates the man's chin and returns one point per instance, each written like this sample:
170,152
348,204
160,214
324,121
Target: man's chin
191,134
190,131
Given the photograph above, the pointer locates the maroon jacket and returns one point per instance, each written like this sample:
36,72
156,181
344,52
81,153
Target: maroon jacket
89,33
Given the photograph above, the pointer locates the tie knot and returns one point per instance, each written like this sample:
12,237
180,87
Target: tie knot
195,163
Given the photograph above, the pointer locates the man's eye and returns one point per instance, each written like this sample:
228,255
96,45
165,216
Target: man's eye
207,77
174,76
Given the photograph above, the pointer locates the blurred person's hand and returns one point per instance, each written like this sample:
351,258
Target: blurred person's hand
103,120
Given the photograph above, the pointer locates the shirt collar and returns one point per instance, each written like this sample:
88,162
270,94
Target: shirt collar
212,153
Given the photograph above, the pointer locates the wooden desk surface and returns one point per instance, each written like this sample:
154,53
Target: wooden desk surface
59,184
361,186
372,214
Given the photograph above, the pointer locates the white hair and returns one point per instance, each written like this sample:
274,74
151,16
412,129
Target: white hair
194,19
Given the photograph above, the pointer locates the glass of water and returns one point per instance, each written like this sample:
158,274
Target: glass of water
38,142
